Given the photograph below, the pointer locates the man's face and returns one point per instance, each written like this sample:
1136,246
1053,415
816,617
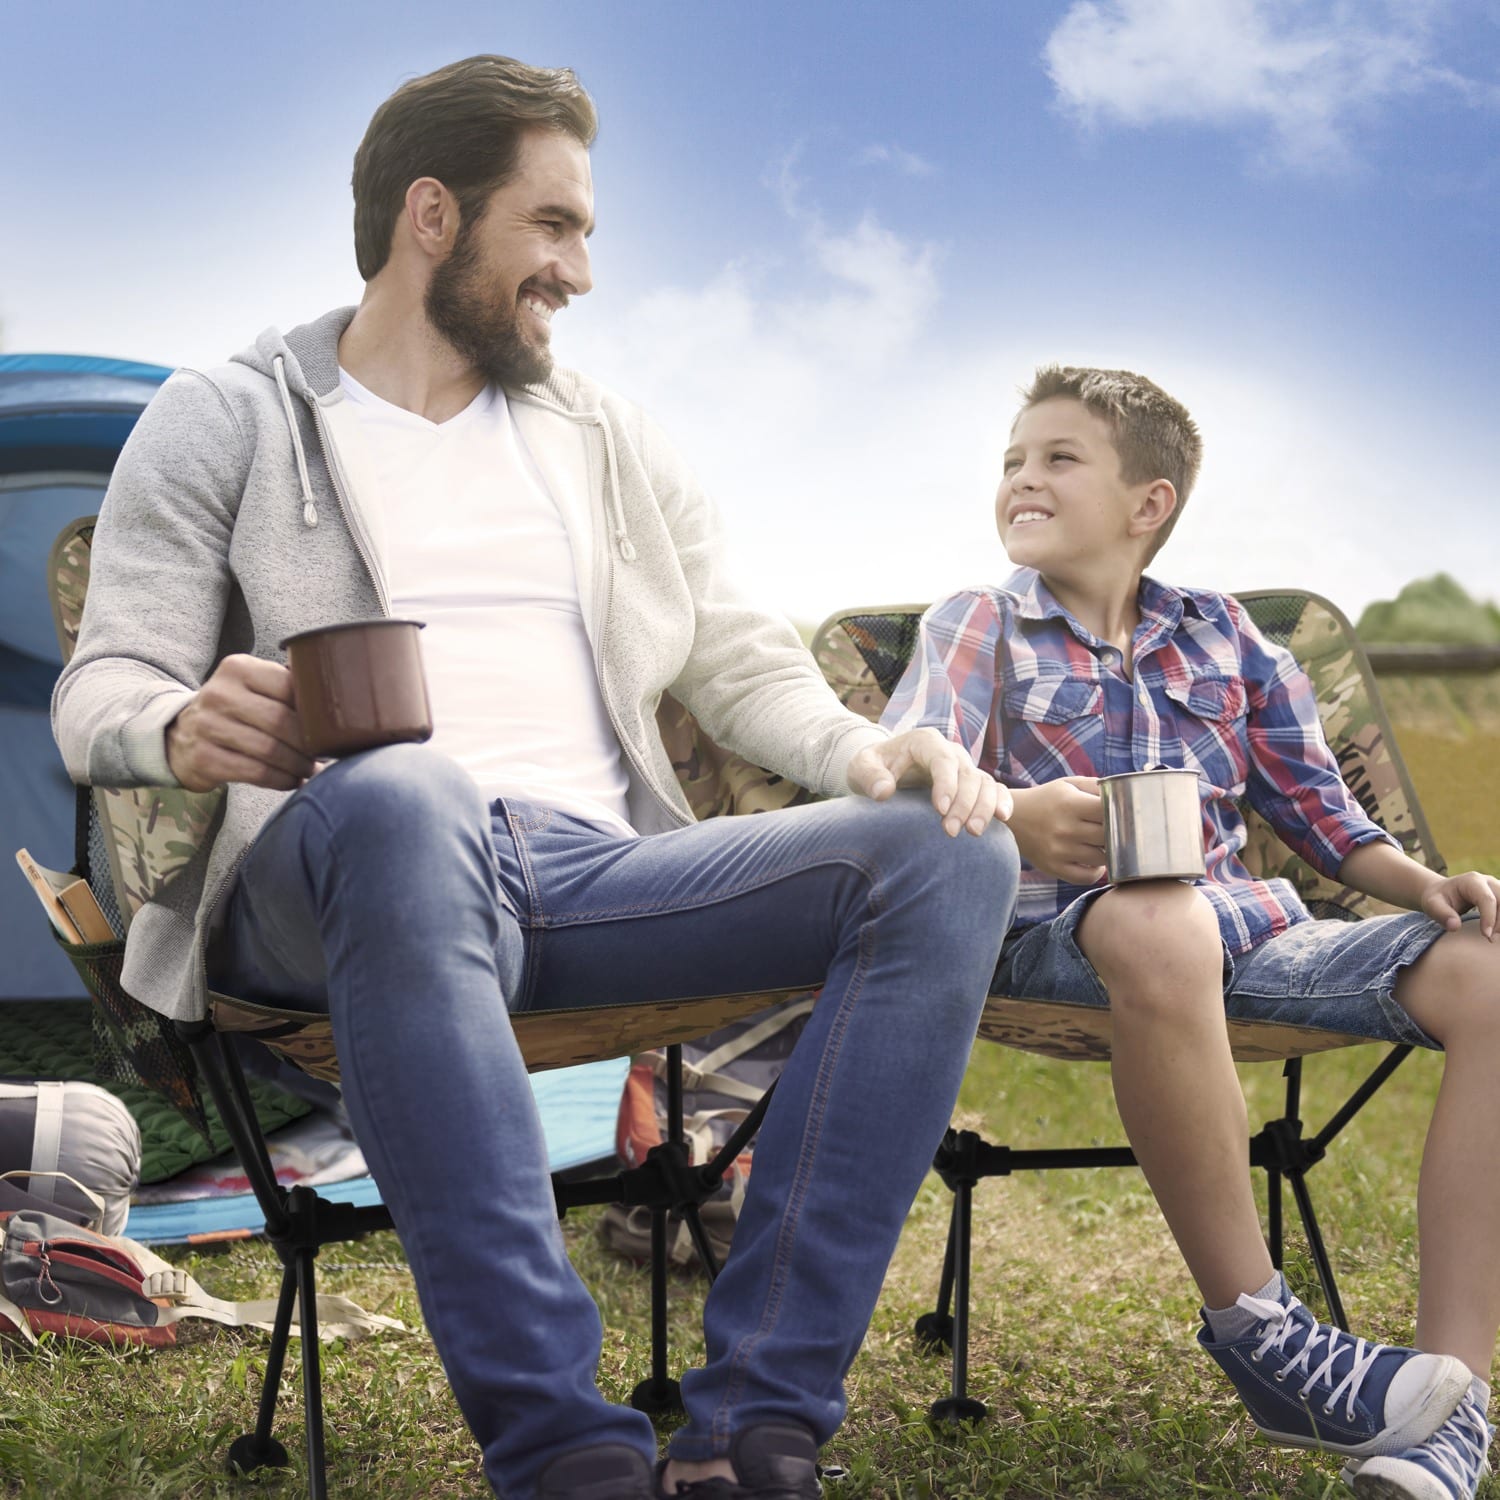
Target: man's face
1061,500
518,262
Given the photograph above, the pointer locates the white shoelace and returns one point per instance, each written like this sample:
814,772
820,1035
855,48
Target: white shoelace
1456,1450
1283,1326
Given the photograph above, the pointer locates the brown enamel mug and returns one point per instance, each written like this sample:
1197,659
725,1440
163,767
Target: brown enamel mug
359,686
1153,826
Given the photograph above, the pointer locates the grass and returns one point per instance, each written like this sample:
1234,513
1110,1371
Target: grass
1083,1336
1083,1317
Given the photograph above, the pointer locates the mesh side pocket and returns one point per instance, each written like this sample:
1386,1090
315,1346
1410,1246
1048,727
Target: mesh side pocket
134,1044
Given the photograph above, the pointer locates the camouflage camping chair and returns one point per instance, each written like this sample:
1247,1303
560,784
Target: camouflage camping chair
132,841
863,653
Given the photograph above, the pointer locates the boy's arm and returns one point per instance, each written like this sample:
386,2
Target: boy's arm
1390,875
1293,781
950,685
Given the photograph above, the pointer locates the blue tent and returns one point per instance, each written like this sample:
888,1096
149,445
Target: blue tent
63,420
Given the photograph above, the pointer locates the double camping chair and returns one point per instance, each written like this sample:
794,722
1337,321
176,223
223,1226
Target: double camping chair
132,841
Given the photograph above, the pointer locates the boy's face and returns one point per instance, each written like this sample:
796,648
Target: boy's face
1062,503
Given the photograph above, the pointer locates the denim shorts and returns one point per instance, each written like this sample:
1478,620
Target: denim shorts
1329,974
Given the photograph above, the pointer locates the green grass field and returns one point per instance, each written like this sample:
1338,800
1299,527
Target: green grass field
1084,1319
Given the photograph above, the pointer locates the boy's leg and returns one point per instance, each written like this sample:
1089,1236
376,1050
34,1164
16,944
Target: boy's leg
1304,1383
1453,993
372,894
901,926
1157,951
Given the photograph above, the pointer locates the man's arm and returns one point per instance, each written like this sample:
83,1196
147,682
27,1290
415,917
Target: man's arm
158,590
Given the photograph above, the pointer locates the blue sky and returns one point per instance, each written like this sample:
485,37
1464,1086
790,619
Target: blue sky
833,239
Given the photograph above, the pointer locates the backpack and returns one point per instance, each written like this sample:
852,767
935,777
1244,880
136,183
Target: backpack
724,1075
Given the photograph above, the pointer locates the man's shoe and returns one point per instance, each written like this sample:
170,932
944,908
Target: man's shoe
1448,1466
606,1471
1310,1385
773,1461
776,1461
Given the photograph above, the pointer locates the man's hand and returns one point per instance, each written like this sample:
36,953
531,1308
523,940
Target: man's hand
241,725
1450,898
964,796
1059,828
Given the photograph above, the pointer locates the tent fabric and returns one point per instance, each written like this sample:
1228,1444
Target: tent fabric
63,420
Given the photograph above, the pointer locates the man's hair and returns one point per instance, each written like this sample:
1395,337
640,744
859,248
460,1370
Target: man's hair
1153,434
463,125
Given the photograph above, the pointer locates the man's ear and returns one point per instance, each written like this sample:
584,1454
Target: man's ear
1154,509
431,217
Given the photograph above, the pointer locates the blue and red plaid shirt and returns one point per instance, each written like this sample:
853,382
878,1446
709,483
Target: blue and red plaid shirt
1009,674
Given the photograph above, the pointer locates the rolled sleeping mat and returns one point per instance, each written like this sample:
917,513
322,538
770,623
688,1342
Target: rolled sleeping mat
71,1144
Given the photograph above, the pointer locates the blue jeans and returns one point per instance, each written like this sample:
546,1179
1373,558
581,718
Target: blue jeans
386,892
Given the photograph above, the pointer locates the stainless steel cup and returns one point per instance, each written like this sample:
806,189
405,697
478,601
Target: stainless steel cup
1153,826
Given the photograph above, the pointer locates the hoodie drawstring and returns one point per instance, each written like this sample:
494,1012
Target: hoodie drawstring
617,506
309,509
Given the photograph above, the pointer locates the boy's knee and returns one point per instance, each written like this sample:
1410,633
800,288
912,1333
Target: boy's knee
1453,991
1151,938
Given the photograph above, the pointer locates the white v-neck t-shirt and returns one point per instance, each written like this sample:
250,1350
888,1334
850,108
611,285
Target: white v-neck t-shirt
475,546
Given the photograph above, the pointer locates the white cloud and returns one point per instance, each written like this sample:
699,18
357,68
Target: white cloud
1307,71
852,438
908,163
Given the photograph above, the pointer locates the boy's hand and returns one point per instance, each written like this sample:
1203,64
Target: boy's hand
965,796
241,725
1447,901
1059,828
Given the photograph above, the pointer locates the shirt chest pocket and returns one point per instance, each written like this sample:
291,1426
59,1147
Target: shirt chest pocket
1054,727
1209,709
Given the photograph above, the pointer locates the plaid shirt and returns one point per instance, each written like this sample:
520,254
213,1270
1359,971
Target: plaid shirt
1014,678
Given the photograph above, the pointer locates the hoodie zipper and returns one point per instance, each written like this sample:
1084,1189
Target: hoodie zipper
209,910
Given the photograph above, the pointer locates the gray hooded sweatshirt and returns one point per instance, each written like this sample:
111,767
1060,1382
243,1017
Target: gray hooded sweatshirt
233,520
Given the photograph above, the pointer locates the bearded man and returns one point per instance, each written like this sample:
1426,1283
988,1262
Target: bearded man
419,455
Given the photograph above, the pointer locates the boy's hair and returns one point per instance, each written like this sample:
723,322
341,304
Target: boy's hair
1153,434
463,125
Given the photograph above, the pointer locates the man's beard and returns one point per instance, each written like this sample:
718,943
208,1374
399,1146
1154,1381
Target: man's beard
484,331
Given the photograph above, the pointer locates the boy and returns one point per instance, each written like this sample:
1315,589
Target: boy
1081,667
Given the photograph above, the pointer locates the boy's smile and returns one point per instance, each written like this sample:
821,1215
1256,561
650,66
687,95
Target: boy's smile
1061,498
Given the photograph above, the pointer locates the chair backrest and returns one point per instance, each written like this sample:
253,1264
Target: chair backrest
863,653
138,837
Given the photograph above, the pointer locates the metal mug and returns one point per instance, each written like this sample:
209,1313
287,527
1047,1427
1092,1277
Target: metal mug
359,686
1153,825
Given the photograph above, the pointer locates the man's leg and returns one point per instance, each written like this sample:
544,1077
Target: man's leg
901,925
373,894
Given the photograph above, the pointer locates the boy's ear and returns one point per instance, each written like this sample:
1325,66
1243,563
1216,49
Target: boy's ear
1154,509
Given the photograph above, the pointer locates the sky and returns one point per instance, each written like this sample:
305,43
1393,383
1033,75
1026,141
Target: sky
834,239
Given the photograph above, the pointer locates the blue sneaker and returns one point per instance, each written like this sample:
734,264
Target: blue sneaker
1309,1385
1448,1466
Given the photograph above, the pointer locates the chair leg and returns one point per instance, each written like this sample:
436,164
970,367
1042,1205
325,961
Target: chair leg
312,1373
660,1394
1317,1249
960,1406
258,1449
936,1327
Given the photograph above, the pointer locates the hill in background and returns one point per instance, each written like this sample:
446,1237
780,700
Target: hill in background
1434,610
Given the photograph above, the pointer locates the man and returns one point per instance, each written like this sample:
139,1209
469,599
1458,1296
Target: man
420,456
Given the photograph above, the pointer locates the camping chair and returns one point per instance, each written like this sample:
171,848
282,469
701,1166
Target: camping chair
130,842
863,653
